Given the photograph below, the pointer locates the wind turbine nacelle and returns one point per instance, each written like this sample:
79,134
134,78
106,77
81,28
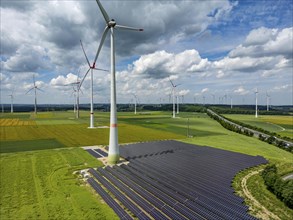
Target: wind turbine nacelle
111,23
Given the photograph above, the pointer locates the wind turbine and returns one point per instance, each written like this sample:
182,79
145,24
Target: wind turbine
135,103
173,90
231,101
256,92
113,155
92,85
225,97
35,88
268,101
76,96
11,96
203,100
213,95
177,99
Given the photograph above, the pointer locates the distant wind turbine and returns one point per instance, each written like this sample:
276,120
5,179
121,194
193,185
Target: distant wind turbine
12,97
268,101
76,89
231,101
213,95
173,90
92,85
135,103
35,88
225,96
111,25
256,92
177,99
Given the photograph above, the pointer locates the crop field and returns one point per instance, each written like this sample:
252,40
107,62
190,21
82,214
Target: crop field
15,122
40,184
282,125
74,133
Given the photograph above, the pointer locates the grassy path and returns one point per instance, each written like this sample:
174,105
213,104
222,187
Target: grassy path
39,193
264,213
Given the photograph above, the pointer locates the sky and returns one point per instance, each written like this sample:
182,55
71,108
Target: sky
216,50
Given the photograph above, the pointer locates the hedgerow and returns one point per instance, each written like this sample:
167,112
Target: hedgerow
281,188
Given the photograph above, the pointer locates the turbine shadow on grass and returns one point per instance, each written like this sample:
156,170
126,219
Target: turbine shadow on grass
29,145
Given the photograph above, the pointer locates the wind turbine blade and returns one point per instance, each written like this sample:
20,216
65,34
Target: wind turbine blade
84,77
101,69
105,15
87,60
101,44
121,27
34,80
178,84
171,82
80,90
29,90
40,89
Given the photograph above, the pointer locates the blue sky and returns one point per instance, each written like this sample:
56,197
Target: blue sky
221,48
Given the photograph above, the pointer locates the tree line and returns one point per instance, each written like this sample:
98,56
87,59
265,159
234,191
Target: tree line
283,189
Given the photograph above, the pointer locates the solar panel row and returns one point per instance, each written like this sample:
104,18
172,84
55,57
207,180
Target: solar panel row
108,199
170,179
102,153
97,153
206,199
141,189
120,196
93,153
137,199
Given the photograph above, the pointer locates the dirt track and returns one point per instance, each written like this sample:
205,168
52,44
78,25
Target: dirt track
263,213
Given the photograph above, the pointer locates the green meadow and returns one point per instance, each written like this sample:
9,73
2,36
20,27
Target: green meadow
282,125
39,157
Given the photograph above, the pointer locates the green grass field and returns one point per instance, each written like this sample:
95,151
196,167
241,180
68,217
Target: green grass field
40,184
282,125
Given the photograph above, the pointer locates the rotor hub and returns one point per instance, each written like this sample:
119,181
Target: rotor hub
111,23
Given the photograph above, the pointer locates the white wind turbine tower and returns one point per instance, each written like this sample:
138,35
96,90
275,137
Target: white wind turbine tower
135,103
76,96
92,86
256,92
113,155
12,97
174,90
268,101
213,95
35,88
231,101
177,99
74,104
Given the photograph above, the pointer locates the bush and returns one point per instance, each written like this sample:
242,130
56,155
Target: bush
287,193
282,189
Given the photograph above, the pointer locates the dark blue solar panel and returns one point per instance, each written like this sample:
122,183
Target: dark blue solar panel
93,153
177,180
103,153
108,199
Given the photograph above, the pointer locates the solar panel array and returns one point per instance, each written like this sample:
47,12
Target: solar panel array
97,153
174,180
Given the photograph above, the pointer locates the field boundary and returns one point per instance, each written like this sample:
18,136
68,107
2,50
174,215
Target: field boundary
265,214
255,132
